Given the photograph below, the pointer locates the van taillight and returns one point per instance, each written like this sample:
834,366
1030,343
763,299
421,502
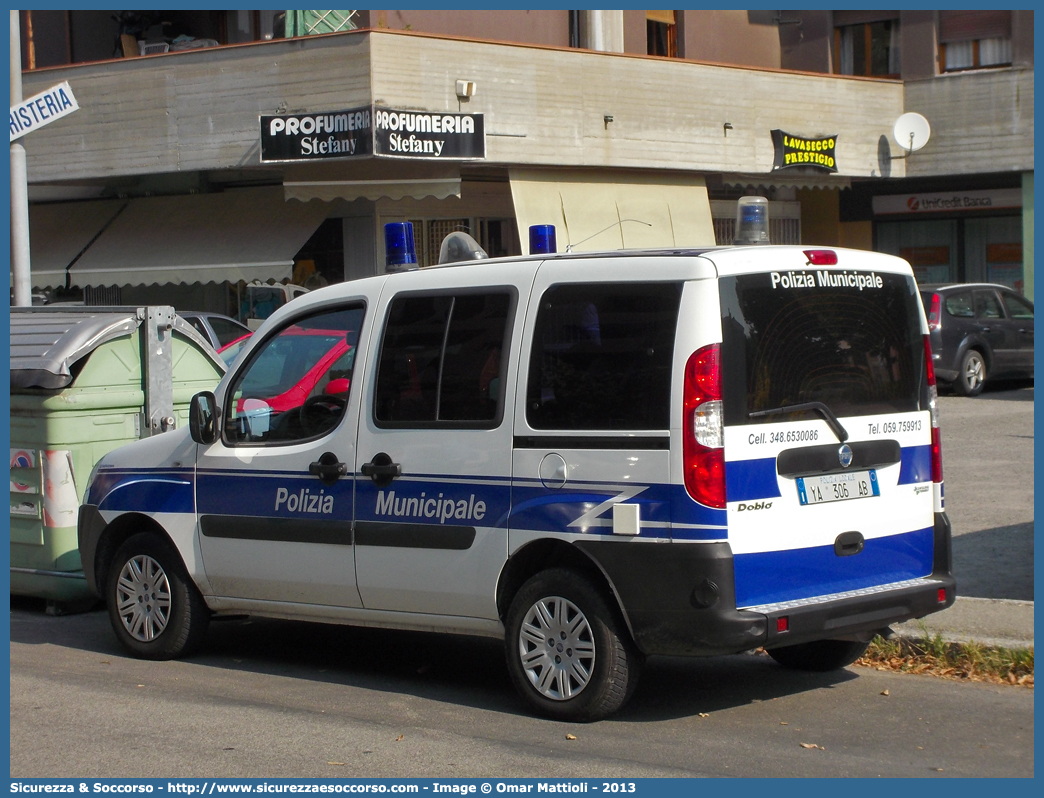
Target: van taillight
935,312
933,407
703,428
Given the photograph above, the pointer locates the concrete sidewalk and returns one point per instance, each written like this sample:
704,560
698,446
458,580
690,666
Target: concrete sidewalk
993,622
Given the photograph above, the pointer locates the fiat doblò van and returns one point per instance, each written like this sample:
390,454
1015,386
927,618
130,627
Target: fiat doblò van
594,457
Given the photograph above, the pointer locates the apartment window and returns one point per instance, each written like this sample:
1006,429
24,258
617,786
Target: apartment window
661,33
974,39
870,49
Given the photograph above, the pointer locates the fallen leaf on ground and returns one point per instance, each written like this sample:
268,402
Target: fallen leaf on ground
570,736
885,692
704,714
397,739
783,723
811,745
335,763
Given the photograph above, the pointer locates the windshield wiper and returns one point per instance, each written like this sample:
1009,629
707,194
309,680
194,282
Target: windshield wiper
815,407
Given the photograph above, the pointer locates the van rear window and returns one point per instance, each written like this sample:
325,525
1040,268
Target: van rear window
857,350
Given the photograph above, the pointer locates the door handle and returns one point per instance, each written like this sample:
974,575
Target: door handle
381,469
328,468
984,329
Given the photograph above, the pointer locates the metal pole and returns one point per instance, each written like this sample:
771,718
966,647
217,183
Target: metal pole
19,185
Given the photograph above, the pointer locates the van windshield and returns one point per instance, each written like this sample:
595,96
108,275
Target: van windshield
857,350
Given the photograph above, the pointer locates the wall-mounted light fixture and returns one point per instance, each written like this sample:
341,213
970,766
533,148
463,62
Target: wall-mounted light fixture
726,128
607,119
465,89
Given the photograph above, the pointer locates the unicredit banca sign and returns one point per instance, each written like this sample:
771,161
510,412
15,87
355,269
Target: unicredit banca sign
372,131
948,202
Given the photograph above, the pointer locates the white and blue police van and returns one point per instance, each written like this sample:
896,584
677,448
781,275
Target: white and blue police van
593,457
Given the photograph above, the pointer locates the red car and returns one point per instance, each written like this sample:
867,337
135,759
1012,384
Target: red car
302,370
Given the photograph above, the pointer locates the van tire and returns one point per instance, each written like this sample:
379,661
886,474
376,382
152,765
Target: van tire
819,655
154,607
570,600
972,374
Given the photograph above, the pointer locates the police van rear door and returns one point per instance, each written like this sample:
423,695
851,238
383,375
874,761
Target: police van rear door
827,423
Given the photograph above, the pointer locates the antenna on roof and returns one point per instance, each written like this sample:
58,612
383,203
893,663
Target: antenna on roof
569,247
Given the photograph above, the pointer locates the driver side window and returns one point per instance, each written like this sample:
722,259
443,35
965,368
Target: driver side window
296,385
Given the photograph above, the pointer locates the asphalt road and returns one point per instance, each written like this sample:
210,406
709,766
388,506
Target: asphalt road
279,699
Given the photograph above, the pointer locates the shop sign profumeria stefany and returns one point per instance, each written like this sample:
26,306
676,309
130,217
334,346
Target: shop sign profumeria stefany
372,131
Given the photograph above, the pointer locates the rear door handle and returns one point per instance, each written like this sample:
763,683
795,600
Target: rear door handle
329,469
381,469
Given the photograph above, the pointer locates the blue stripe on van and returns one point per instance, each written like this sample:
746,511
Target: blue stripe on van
146,492
272,494
774,576
433,501
537,508
916,465
751,479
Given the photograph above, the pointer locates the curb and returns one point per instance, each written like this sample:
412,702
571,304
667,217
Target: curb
1004,623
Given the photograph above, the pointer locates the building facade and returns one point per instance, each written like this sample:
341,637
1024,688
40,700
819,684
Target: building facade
241,154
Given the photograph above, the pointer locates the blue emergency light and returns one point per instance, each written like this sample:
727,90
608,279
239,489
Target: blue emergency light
400,253
542,239
752,221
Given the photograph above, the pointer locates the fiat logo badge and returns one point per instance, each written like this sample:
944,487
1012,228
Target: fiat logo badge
844,455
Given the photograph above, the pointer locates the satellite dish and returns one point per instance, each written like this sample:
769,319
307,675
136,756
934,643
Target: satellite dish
912,131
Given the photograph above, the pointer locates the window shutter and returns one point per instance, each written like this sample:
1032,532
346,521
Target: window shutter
666,17
963,26
843,18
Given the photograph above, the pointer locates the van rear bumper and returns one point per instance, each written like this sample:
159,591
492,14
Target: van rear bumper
680,600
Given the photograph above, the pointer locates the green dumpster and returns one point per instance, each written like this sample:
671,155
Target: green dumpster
83,382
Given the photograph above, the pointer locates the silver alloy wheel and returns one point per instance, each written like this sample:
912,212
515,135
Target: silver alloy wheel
557,648
143,598
974,370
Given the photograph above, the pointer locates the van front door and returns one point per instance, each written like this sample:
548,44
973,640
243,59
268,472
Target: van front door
434,459
274,494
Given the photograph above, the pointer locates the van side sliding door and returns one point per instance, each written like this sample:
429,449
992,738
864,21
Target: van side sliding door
433,466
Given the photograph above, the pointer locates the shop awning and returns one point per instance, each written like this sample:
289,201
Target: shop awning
787,178
371,180
616,210
58,232
239,234
331,190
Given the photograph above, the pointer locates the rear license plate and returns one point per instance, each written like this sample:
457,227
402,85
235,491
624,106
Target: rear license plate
838,487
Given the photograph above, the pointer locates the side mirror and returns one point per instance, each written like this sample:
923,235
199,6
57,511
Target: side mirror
203,418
